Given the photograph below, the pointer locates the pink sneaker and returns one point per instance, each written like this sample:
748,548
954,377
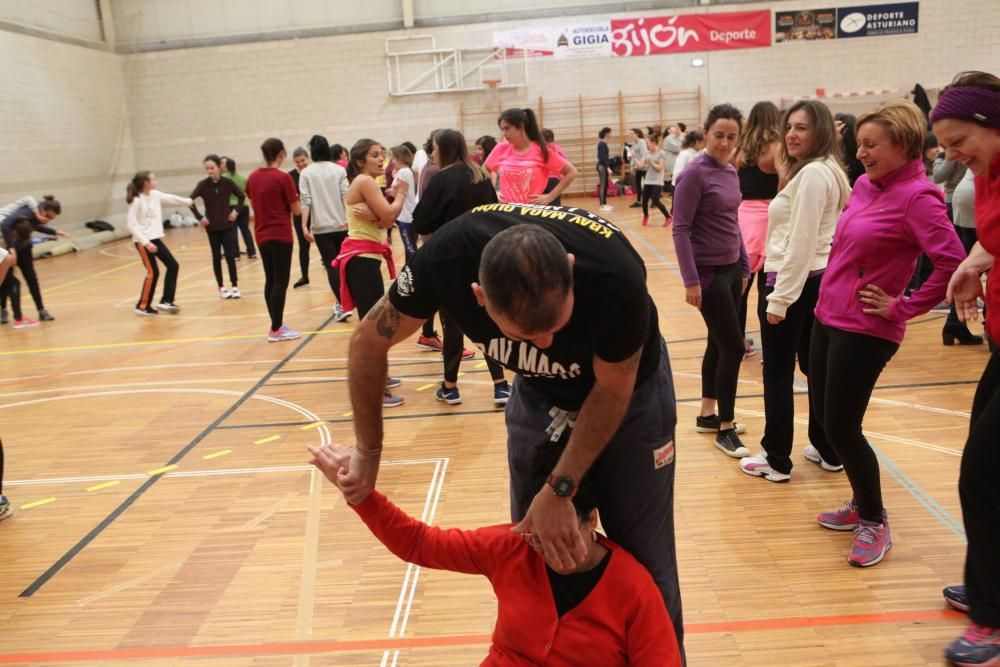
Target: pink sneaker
871,542
846,518
24,323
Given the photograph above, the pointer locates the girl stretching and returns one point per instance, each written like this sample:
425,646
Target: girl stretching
145,221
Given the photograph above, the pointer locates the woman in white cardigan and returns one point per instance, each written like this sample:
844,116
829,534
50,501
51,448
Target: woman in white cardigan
801,222
145,221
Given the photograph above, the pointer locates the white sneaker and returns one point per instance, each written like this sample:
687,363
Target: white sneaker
339,315
225,293
235,293
812,454
284,333
169,307
606,207
758,466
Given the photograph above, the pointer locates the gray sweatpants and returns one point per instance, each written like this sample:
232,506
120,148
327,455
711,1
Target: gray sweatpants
634,475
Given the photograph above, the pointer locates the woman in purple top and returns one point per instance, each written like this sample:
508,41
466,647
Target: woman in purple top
715,270
893,215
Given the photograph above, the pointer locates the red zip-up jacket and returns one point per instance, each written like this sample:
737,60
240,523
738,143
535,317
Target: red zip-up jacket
622,622
988,229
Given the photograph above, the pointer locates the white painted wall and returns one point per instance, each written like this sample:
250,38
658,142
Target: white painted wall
68,18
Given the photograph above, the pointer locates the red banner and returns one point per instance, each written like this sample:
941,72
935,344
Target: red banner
690,32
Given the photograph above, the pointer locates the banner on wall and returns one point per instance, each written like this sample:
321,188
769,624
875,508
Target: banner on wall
591,40
878,20
692,32
807,24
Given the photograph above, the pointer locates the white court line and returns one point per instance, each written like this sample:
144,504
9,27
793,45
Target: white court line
925,408
164,383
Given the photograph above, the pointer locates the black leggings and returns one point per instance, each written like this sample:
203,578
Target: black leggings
844,367
638,176
979,490
409,238
780,344
602,187
303,246
720,367
453,349
243,223
652,193
329,247
224,241
25,262
551,185
276,256
364,279
149,260
746,298
10,288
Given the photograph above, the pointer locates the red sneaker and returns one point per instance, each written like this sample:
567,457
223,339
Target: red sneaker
430,343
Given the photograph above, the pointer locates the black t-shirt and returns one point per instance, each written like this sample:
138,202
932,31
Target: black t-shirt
569,590
613,314
449,194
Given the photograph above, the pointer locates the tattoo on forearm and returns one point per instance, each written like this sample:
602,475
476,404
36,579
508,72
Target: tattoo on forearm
386,318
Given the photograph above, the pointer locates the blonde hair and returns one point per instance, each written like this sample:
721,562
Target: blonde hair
403,154
905,123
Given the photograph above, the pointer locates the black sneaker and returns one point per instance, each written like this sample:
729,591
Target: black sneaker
4,317
45,316
148,310
711,425
301,282
729,442
635,204
169,306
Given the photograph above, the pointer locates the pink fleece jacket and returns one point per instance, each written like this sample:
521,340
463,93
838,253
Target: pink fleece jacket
883,230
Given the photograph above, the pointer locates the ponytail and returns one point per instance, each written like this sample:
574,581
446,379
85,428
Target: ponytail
134,187
50,205
525,119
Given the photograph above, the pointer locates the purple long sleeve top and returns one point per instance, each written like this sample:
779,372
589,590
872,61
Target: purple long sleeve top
706,227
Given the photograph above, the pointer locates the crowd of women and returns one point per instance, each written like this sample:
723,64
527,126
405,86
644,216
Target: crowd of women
828,215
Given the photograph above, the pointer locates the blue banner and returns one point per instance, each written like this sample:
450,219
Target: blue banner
878,20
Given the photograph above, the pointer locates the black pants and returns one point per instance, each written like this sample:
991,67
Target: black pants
746,299
551,185
409,238
602,187
720,367
652,193
844,367
329,247
1,467
364,279
638,178
303,246
224,241
243,223
149,260
453,349
780,344
979,490
26,262
276,256
967,235
10,289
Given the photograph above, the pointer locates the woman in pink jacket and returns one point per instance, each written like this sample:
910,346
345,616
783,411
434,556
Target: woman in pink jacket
893,215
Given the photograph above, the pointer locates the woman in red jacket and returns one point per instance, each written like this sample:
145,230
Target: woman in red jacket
607,608
967,123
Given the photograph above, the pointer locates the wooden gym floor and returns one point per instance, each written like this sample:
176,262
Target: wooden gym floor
166,514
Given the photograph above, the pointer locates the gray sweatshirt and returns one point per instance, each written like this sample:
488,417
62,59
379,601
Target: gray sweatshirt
323,186
948,174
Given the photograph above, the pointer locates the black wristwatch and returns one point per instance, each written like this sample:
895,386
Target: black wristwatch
563,486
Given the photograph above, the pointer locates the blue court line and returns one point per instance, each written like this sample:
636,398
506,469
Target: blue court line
940,513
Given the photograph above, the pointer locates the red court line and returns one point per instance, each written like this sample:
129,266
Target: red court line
309,647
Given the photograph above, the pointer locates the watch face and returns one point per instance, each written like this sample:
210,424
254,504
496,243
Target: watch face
563,486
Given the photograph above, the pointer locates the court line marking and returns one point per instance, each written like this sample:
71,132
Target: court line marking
38,503
310,556
270,438
64,560
105,485
161,470
215,455
442,641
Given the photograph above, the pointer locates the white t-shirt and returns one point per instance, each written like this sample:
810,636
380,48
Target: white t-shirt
420,160
406,174
686,156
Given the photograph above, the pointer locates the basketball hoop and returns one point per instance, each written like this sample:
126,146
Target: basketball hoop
491,83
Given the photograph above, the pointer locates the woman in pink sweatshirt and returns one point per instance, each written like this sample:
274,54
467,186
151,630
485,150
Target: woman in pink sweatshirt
893,215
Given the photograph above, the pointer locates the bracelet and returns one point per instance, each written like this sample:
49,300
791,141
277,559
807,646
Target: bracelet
375,451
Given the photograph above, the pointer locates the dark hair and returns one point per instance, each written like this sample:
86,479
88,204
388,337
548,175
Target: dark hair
22,227
319,147
488,143
544,462
524,119
763,129
974,79
337,152
271,149
682,126
824,135
548,135
212,157
359,153
605,131
723,112
691,138
520,267
848,135
638,133
654,137
230,164
134,186
452,149
300,152
411,146
50,205
921,99
429,144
